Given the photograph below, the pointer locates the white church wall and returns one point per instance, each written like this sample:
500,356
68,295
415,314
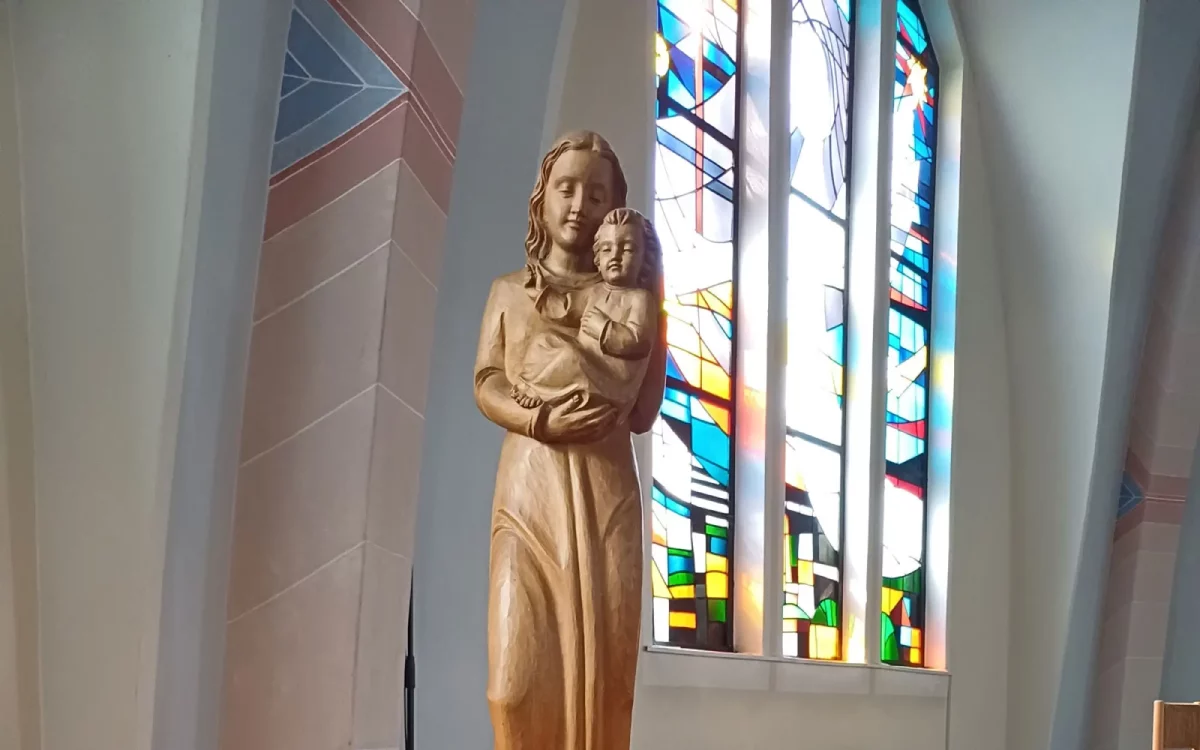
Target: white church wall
591,85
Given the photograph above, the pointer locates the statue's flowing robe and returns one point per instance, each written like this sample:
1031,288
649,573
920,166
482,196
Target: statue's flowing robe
565,590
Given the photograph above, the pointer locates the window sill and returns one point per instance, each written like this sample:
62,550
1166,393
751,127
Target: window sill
663,666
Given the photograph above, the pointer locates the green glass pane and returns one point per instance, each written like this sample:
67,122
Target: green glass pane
826,614
910,584
681,579
716,610
716,531
891,650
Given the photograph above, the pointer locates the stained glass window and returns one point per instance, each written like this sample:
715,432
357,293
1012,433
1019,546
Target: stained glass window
695,207
906,446
815,379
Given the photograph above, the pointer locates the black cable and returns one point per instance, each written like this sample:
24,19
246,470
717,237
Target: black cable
410,678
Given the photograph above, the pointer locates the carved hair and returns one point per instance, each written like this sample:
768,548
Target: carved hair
537,239
651,250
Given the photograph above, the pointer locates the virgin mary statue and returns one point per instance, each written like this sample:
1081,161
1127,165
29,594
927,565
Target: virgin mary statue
565,586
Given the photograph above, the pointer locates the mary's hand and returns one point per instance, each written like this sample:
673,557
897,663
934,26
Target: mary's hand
571,422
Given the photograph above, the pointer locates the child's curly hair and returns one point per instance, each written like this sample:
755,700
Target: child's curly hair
651,272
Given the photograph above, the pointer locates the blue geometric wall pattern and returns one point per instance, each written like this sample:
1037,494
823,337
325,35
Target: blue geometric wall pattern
332,81
1130,495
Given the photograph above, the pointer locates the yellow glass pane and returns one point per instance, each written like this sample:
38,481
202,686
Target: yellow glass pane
658,584
716,563
822,642
835,375
714,379
683,620
890,599
662,57
683,592
719,415
804,572
916,638
718,585
716,304
914,656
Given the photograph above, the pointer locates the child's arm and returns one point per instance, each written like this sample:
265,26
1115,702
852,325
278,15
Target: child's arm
632,339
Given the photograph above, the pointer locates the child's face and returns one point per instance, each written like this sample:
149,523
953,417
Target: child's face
619,253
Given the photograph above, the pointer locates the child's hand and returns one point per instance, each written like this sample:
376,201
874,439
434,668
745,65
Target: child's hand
592,323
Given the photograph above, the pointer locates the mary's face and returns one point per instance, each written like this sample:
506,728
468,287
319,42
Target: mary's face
579,192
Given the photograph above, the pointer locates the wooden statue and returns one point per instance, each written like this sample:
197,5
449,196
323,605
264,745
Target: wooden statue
571,361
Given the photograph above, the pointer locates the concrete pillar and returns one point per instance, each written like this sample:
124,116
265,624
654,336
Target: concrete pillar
499,148
335,395
1181,659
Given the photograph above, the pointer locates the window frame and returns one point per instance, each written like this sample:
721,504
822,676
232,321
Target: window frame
757,662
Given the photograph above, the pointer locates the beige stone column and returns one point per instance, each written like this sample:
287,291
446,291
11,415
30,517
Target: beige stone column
339,367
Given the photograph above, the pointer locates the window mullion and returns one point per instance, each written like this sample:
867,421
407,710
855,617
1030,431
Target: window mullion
778,180
867,289
757,551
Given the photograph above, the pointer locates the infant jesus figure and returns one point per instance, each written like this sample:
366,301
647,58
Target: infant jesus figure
606,362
